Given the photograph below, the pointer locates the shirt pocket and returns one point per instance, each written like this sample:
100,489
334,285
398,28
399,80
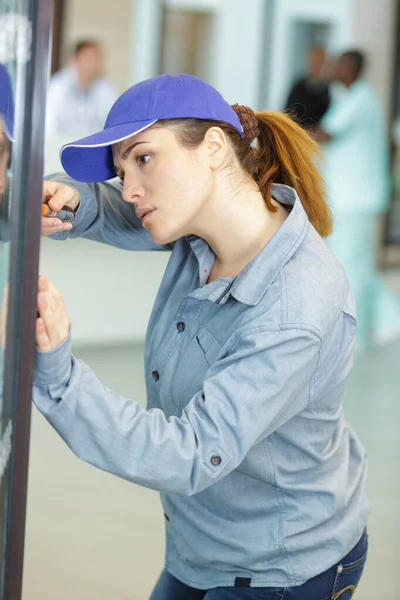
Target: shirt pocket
202,351
207,345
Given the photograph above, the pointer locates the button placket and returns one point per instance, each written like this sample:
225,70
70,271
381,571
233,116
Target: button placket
166,360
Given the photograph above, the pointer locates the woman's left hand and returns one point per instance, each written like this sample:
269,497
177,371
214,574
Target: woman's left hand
52,326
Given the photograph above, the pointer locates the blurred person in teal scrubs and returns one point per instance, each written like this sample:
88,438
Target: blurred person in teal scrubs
356,170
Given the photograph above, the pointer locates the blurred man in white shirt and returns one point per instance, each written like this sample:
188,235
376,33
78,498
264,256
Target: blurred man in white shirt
79,97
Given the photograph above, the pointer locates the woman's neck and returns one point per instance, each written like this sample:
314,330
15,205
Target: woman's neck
237,227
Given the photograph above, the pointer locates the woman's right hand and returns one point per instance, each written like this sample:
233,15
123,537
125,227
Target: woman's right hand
57,195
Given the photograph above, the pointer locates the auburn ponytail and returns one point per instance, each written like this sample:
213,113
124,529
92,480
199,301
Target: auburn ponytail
282,152
286,153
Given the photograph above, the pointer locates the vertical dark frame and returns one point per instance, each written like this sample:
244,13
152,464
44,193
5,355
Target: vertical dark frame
395,113
58,14
27,163
396,67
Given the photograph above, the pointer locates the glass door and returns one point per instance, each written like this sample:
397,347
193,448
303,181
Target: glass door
24,65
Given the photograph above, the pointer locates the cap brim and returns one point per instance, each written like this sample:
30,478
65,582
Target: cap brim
90,159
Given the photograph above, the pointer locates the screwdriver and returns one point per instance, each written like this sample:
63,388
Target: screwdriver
65,215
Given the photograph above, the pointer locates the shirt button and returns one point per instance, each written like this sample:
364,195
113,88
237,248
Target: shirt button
156,375
180,326
215,460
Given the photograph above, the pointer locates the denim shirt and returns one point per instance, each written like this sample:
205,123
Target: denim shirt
244,434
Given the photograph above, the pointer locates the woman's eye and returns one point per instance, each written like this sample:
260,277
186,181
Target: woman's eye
143,159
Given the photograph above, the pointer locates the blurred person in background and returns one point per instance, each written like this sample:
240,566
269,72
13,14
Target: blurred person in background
248,347
356,170
79,96
6,125
309,98
6,138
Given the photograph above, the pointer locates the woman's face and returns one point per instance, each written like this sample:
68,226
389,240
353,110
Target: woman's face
168,185
4,157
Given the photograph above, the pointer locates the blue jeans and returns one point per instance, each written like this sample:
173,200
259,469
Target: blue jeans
337,583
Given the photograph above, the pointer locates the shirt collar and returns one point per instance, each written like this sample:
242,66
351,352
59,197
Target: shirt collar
253,281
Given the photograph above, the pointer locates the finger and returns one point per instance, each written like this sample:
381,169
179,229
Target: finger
47,307
58,195
43,282
49,229
49,189
42,339
51,294
51,222
53,324
59,310
52,311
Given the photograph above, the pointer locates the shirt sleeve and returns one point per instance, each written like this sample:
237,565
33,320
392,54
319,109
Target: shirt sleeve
264,382
109,95
103,216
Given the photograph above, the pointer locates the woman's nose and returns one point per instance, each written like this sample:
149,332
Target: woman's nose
131,191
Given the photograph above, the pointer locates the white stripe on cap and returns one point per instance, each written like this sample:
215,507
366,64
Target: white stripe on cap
106,143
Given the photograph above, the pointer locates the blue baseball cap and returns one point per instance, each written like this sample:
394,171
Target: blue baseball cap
164,97
6,102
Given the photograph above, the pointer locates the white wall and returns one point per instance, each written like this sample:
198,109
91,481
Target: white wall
108,292
237,55
238,52
374,32
143,49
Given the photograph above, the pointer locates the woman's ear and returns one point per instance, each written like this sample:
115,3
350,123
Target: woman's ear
215,144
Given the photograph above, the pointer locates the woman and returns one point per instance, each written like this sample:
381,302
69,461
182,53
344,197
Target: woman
247,352
6,125
6,133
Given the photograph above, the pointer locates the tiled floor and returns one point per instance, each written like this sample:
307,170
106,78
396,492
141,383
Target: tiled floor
93,536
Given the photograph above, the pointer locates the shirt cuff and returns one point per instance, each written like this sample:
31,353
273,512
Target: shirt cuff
54,366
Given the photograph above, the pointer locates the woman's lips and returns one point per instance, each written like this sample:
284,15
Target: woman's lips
147,215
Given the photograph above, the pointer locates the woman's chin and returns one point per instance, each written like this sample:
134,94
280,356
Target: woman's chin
162,237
